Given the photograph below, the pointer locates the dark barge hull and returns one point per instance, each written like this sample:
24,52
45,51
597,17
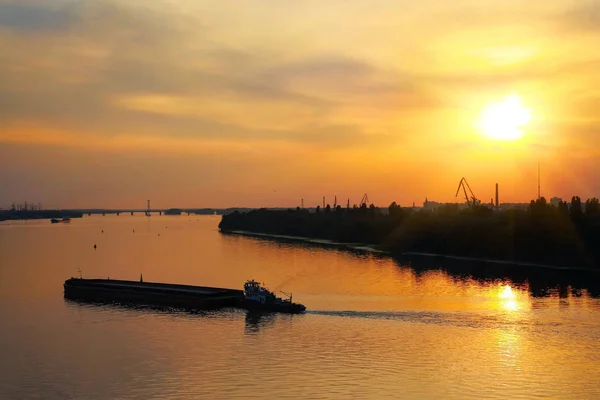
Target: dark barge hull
153,294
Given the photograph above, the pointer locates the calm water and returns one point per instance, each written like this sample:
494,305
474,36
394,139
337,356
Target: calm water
375,329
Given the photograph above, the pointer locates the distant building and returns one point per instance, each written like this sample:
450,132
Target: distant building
430,205
555,201
434,205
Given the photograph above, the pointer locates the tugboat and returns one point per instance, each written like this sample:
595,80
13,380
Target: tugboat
259,298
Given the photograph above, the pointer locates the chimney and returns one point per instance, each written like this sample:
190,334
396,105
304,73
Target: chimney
497,196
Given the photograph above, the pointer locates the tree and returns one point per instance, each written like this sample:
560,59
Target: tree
541,202
576,210
328,209
592,207
394,209
563,208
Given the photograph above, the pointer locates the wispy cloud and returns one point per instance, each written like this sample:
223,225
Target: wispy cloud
584,16
37,17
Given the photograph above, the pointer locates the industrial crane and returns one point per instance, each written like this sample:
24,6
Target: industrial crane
471,201
365,200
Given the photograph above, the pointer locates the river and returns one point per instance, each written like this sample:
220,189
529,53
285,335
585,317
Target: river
374,328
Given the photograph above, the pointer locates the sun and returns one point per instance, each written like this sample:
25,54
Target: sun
502,120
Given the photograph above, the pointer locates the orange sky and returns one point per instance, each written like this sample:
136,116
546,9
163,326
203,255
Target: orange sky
260,103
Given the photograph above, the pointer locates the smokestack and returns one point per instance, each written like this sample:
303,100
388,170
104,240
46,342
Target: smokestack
496,195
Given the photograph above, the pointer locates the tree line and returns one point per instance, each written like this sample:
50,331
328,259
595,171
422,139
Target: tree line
566,235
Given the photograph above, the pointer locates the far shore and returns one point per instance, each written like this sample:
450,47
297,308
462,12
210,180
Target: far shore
373,249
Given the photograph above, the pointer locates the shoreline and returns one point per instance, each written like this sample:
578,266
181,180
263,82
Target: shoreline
303,239
373,249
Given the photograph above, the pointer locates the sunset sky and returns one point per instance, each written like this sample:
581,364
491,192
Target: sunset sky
261,103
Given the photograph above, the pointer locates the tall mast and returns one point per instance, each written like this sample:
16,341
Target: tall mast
539,196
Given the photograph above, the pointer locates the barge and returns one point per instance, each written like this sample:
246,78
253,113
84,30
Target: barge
150,293
254,297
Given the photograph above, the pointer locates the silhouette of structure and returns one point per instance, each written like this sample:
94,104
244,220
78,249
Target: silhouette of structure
472,200
539,185
497,204
364,200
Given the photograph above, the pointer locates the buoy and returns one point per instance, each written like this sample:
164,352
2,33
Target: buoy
159,234
102,230
94,246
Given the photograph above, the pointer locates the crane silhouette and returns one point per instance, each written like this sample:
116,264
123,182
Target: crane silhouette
472,200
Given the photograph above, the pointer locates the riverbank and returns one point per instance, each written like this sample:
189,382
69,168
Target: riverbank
302,239
409,255
542,235
38,214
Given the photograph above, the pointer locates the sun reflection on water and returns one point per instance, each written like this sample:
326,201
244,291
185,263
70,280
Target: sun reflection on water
508,299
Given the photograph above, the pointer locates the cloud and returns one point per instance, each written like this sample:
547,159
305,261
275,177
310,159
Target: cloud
340,79
585,16
37,17
325,67
121,70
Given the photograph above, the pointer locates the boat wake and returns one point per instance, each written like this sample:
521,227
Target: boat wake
457,319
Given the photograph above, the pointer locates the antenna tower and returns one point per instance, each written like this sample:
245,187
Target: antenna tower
539,186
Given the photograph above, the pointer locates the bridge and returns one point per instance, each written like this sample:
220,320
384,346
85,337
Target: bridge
122,211
155,211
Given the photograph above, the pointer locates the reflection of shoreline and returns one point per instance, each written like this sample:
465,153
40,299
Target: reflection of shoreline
501,262
542,280
373,249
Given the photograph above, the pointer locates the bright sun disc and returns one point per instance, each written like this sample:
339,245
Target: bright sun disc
503,120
